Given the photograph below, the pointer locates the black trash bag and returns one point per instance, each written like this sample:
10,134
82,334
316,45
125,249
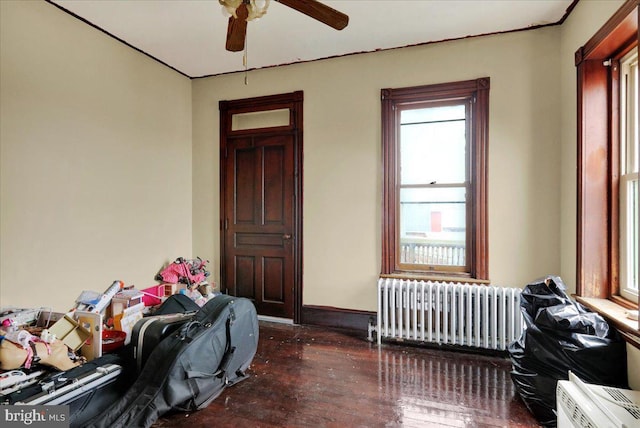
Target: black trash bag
561,335
542,293
540,405
571,319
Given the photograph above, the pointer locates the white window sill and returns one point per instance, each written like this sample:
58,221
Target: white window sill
615,314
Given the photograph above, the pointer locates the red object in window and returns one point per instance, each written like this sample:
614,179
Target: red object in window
436,221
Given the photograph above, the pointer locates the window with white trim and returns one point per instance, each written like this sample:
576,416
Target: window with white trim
628,186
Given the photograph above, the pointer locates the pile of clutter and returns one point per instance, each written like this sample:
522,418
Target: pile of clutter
35,340
187,277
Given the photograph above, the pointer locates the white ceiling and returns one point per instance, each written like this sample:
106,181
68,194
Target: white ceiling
189,35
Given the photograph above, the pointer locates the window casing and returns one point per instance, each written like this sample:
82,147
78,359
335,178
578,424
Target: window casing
434,218
602,172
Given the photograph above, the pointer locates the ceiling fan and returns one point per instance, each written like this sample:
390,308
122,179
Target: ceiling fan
243,11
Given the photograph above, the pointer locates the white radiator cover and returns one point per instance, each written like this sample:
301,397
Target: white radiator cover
448,313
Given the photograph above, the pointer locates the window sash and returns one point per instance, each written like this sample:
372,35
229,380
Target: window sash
433,258
628,185
629,112
421,153
629,236
434,250
440,252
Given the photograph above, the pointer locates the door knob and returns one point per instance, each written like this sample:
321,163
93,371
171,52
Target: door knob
286,236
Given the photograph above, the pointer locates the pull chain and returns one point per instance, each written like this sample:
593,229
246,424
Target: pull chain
245,60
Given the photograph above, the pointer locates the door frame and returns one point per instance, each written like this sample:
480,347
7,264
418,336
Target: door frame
292,101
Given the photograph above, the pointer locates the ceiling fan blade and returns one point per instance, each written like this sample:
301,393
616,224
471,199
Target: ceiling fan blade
319,11
237,29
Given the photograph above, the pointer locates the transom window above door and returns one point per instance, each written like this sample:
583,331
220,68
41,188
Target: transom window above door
260,119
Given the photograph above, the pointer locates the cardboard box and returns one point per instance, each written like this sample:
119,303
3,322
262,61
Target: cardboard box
70,332
91,321
125,299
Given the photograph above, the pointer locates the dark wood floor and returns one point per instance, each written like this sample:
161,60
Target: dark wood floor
310,377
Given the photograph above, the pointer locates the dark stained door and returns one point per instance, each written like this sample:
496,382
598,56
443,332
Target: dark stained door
261,202
259,222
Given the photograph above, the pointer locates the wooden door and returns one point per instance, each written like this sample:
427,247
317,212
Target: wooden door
260,213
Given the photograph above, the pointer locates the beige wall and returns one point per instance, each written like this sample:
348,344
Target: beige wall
95,152
342,156
584,21
633,367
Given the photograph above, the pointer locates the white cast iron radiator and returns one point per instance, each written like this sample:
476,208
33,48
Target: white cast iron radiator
448,313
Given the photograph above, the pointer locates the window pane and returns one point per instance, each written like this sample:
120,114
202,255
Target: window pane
629,176
260,119
629,113
433,226
632,131
432,114
432,152
633,235
629,240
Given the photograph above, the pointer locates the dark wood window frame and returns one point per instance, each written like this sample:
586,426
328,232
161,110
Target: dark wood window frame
477,91
598,71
